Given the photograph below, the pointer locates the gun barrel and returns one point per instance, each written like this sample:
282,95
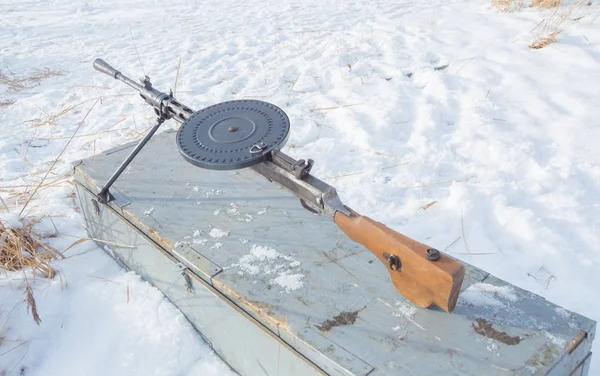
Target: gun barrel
102,66
164,104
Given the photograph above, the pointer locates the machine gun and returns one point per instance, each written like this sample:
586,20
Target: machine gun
250,134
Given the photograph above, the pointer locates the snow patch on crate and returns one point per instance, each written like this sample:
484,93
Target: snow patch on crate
560,342
208,193
246,218
218,233
232,209
196,239
562,312
265,261
406,309
288,281
199,241
485,294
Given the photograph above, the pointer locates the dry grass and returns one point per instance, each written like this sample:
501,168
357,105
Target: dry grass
21,248
507,5
544,39
557,18
544,4
58,158
50,118
514,5
18,83
6,103
559,14
334,107
31,305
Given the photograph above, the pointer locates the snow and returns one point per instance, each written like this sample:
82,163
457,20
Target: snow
218,233
554,339
407,310
503,139
263,261
288,281
99,320
484,294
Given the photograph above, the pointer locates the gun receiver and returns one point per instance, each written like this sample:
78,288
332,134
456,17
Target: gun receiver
420,273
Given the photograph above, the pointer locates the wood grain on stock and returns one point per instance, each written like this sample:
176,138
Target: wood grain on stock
419,280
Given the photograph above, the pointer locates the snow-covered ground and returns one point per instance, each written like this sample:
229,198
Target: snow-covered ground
433,117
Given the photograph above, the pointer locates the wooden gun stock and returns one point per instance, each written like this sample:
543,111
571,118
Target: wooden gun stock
419,279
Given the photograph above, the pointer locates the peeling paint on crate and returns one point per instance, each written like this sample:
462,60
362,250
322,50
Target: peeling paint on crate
163,242
542,359
344,318
260,309
485,328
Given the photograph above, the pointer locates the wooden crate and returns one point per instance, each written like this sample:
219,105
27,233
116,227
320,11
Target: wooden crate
277,290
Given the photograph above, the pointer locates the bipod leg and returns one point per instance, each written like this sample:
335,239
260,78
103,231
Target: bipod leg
104,196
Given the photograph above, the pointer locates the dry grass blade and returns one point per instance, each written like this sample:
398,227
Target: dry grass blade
425,207
344,175
78,241
4,204
81,240
334,107
6,103
32,305
177,77
462,225
59,155
26,343
362,172
95,134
